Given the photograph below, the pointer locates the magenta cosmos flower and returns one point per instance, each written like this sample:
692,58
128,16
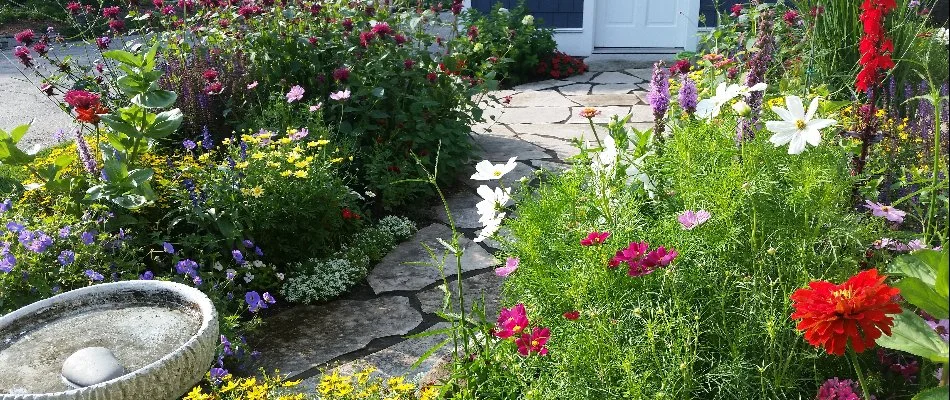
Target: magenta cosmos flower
534,342
633,252
511,321
641,262
295,94
595,238
880,210
690,219
511,264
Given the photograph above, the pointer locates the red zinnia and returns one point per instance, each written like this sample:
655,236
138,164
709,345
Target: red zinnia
81,99
572,315
855,311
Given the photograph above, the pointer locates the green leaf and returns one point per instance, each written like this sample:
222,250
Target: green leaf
141,176
379,92
149,62
912,334
922,295
124,57
132,85
942,284
937,393
155,99
116,123
165,124
64,160
18,132
913,265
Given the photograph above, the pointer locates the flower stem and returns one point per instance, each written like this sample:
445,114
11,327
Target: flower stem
857,370
594,129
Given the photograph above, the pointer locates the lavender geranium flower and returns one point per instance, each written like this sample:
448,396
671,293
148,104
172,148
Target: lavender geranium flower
230,274
7,260
14,227
6,205
238,256
690,219
189,144
688,95
36,242
268,298
88,238
226,346
168,248
93,275
295,94
885,211
659,96
254,301
258,251
147,276
187,267
65,231
66,257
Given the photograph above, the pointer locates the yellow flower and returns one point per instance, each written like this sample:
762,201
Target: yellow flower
257,155
196,394
250,382
300,174
398,384
293,157
286,173
336,160
204,157
301,164
273,164
429,393
241,165
228,386
312,144
322,142
290,383
256,192
284,141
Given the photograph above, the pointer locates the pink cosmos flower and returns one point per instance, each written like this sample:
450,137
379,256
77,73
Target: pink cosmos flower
690,219
341,95
316,107
252,85
511,321
295,94
880,210
595,238
534,342
511,264
302,133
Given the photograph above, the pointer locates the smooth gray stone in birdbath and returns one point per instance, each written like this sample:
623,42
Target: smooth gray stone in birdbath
91,365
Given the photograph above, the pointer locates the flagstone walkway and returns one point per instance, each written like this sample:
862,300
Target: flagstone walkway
369,325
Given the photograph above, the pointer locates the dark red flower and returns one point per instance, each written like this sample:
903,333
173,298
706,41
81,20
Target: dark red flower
347,24
210,75
103,42
408,63
158,3
341,74
473,33
816,11
23,54
25,36
791,17
214,88
400,39
534,342
432,77
681,67
381,29
117,25
366,38
81,99
736,10
572,315
110,12
41,48
73,7
855,312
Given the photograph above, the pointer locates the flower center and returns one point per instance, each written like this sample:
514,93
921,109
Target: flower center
534,343
516,329
496,173
800,124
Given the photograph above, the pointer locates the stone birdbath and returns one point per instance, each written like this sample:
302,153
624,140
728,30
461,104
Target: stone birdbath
116,341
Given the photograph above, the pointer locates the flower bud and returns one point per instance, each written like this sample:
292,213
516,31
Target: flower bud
742,108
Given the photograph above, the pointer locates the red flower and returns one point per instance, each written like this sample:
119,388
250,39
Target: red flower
81,99
736,10
534,342
681,67
874,47
349,214
341,74
110,12
25,36
117,25
90,115
214,88
572,315
855,311
381,29
73,7
816,11
210,75
511,321
791,17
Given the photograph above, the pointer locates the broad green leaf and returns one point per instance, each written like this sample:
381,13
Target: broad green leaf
155,99
132,85
18,132
124,57
942,285
149,62
914,265
912,334
379,92
922,295
64,160
116,123
937,393
12,155
165,124
141,176
130,201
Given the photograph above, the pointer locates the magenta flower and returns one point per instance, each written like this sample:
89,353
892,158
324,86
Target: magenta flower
835,389
295,94
690,219
511,321
880,210
25,36
511,264
660,257
595,238
633,252
534,342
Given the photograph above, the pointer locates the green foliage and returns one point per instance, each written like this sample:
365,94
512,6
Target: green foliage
715,323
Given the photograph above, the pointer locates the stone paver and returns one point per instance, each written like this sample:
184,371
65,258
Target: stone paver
615,88
642,73
585,77
563,148
616,77
575,89
332,330
547,98
499,148
600,100
541,85
403,270
483,289
529,115
603,118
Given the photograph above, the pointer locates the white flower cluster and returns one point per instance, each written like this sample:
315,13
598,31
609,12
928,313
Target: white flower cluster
493,201
329,279
942,36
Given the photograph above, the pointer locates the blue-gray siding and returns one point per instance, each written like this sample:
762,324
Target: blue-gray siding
554,13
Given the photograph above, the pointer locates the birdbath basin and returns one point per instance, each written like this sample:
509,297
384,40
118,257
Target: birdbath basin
126,340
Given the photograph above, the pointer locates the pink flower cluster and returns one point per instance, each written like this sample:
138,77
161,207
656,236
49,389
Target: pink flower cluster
640,260
513,324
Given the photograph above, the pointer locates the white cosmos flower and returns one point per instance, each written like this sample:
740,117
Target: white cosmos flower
605,159
797,127
491,226
486,171
710,108
491,201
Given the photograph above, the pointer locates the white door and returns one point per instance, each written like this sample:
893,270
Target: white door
641,23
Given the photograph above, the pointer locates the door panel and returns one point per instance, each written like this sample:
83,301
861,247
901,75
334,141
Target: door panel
640,23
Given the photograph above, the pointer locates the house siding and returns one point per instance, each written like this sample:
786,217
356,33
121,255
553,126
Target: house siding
552,13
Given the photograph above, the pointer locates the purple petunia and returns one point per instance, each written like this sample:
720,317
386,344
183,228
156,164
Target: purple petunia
147,276
247,243
168,247
7,260
93,275
36,242
187,267
14,227
238,256
88,238
65,231
254,301
66,257
189,144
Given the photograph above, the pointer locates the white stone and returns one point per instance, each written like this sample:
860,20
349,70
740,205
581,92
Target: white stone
575,89
91,365
615,77
614,88
547,98
530,115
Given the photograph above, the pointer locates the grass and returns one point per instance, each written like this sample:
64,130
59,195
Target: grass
714,325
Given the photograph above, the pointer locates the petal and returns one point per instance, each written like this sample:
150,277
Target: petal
812,136
779,139
821,123
812,108
485,192
780,126
706,109
797,145
795,106
758,87
783,114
